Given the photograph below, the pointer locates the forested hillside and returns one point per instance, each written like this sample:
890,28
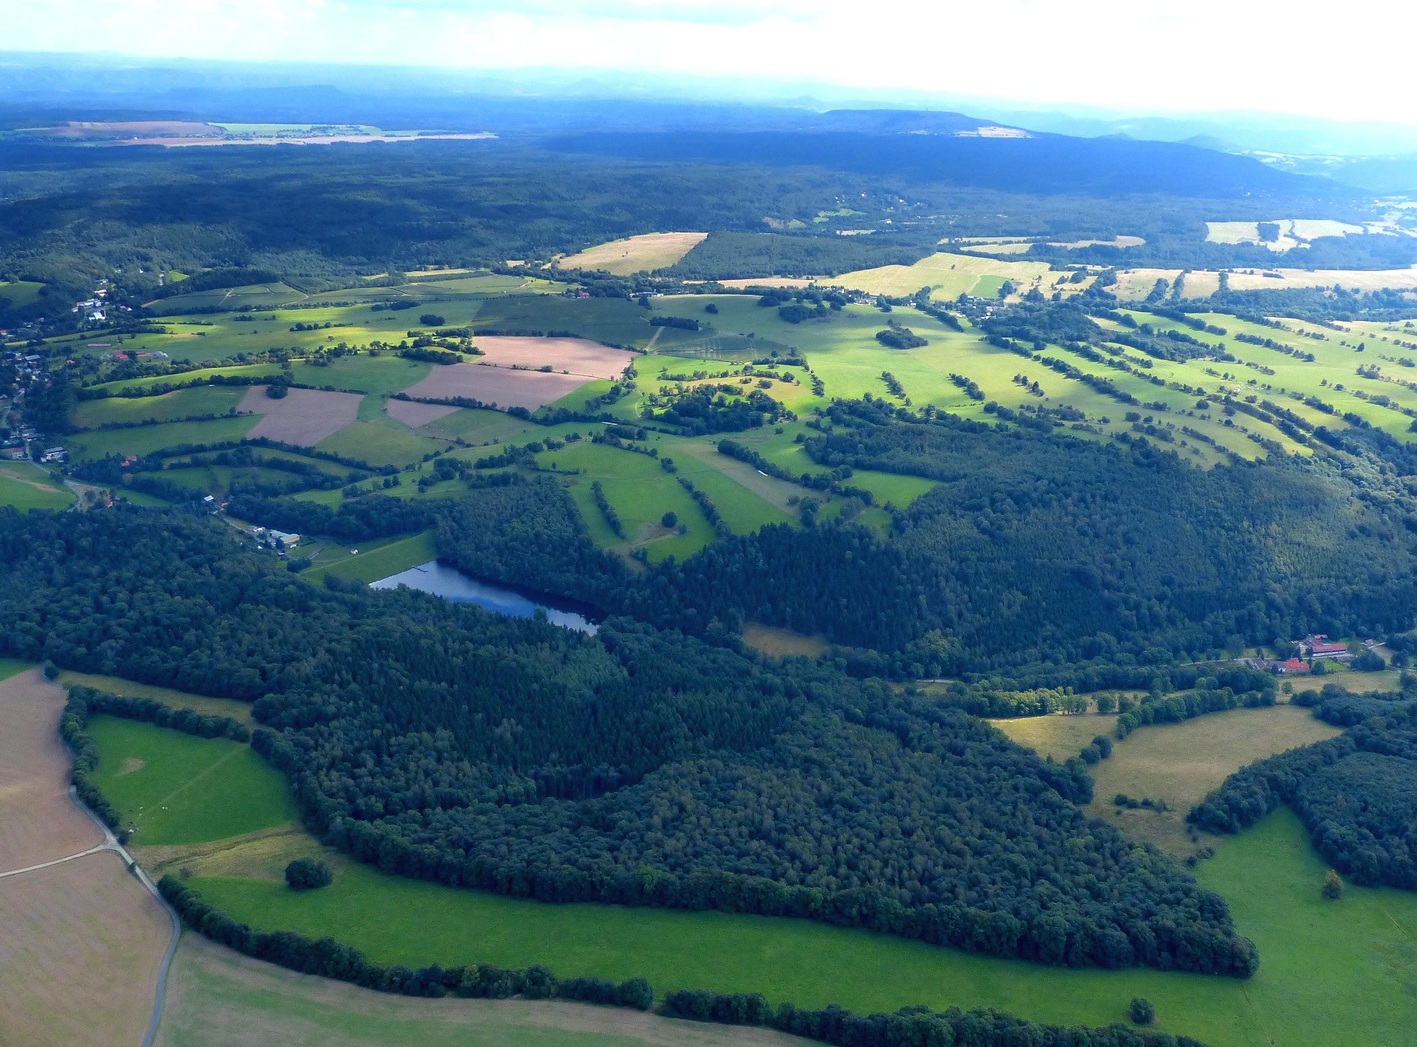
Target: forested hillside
639,766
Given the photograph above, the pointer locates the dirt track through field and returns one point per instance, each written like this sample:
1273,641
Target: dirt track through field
82,939
302,417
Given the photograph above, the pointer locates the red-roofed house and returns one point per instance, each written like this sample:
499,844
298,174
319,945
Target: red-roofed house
1293,665
1320,646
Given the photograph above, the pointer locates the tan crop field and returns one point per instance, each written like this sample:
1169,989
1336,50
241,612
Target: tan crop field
79,955
502,386
38,821
82,939
1180,763
950,275
217,998
636,254
578,356
1133,284
413,414
302,417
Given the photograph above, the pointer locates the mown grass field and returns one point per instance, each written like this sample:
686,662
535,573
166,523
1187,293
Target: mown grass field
13,667
175,788
374,560
1060,736
25,486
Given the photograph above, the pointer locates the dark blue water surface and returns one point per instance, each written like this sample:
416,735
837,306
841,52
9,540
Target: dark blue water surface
451,584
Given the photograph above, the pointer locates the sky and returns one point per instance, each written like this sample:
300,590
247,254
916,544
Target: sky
1117,55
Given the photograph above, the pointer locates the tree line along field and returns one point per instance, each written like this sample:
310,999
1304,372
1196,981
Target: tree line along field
1329,968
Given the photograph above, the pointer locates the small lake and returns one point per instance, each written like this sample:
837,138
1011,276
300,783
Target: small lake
456,587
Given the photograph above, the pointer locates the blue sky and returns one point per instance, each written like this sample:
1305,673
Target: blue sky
1122,55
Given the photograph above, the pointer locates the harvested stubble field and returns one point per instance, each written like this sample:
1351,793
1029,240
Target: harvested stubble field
302,417
216,998
577,356
82,939
38,821
636,254
502,386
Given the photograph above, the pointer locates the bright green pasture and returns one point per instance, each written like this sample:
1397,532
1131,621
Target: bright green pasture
176,788
1331,973
24,486
146,439
382,374
476,426
13,667
381,441
180,403
641,493
374,560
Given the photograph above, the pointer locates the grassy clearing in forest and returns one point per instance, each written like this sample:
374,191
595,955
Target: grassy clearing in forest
176,788
1180,763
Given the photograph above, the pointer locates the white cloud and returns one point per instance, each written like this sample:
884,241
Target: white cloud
1115,54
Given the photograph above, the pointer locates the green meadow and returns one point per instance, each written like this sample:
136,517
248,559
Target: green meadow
13,667
176,789
148,439
181,403
25,486
1332,973
372,560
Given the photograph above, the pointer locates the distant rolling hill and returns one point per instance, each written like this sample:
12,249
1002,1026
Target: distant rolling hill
1038,163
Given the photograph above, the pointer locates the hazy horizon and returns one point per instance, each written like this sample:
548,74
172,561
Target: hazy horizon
1122,59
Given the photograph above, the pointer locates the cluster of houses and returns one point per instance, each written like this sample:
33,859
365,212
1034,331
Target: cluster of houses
1315,646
